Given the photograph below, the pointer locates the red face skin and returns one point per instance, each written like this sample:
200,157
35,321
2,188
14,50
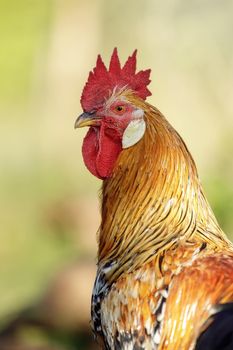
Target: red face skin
103,142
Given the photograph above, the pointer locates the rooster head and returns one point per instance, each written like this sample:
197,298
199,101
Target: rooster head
114,121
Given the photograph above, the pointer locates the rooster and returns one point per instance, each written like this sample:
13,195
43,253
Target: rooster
165,267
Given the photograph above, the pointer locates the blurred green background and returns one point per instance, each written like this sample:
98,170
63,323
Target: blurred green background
48,205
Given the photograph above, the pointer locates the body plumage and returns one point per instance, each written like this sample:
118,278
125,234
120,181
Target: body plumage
165,267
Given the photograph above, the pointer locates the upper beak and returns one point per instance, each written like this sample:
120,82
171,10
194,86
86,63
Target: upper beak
86,119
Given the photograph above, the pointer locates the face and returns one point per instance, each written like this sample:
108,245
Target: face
116,125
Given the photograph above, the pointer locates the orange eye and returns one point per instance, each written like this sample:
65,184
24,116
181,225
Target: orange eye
120,109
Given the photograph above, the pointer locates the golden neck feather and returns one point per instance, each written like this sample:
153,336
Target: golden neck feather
154,199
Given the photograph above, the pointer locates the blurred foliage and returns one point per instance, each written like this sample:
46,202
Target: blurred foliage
219,185
47,49
24,28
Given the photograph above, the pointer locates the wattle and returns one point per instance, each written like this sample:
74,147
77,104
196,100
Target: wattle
100,152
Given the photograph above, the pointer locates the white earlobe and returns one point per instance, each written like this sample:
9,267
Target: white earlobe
133,133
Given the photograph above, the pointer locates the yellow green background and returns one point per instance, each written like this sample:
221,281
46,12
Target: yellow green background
48,200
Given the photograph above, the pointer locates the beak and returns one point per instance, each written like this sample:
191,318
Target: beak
86,119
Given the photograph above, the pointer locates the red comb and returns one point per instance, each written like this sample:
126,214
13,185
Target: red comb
101,81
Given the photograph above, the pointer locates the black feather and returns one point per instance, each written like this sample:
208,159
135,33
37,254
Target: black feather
219,334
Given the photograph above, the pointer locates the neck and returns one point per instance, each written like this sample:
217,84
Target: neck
154,200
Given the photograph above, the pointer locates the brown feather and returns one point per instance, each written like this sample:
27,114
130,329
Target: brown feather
154,198
160,236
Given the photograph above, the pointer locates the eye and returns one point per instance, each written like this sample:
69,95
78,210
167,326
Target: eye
120,109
